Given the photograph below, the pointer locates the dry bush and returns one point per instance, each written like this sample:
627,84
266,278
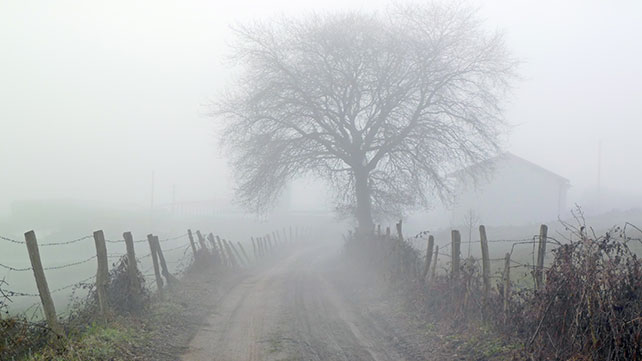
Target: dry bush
123,297
18,336
591,304
589,309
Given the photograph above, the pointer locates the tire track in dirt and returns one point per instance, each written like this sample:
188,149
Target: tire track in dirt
294,311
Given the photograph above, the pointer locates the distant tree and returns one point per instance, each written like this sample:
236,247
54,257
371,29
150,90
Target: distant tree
383,106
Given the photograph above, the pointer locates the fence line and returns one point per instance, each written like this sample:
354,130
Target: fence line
222,253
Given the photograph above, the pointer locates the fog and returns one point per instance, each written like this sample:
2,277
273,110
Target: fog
112,117
94,98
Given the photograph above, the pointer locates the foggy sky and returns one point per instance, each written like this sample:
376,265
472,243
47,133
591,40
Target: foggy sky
94,96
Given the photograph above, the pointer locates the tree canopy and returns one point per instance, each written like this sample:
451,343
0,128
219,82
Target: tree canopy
383,106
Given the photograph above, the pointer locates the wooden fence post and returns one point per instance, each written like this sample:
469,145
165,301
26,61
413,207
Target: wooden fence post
41,283
157,274
455,253
237,254
429,250
224,256
230,254
485,261
215,251
191,242
399,232
102,274
168,276
433,271
132,267
254,249
247,259
506,285
201,241
259,249
541,252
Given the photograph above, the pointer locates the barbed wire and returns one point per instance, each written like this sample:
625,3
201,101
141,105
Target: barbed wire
145,240
174,238
50,268
50,244
69,264
73,284
123,241
11,240
65,243
16,269
183,246
11,293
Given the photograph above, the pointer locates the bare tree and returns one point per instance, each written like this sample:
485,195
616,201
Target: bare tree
383,106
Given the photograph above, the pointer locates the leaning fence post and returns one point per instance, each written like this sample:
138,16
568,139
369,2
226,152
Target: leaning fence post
254,249
102,274
201,241
259,248
485,261
132,267
247,259
541,252
41,283
225,258
455,250
230,254
429,249
215,250
506,285
237,254
263,246
433,271
191,242
168,276
157,275
268,243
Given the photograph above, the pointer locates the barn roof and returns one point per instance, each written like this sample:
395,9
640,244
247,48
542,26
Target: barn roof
510,156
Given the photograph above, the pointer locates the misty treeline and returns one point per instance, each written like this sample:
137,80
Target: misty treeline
382,106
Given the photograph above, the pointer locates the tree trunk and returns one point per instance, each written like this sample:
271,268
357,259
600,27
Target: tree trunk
364,202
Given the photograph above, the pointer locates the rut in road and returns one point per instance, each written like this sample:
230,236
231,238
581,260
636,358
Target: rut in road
295,310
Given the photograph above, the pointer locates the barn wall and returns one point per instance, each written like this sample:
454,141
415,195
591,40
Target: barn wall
515,194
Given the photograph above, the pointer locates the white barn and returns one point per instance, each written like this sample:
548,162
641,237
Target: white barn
516,192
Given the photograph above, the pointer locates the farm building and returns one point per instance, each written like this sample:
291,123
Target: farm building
514,191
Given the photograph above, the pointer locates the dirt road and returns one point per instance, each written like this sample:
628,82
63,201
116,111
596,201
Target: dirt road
300,308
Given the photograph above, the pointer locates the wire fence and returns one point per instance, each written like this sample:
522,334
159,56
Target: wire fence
518,259
11,293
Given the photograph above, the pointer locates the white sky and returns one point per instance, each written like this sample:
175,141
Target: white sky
94,95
